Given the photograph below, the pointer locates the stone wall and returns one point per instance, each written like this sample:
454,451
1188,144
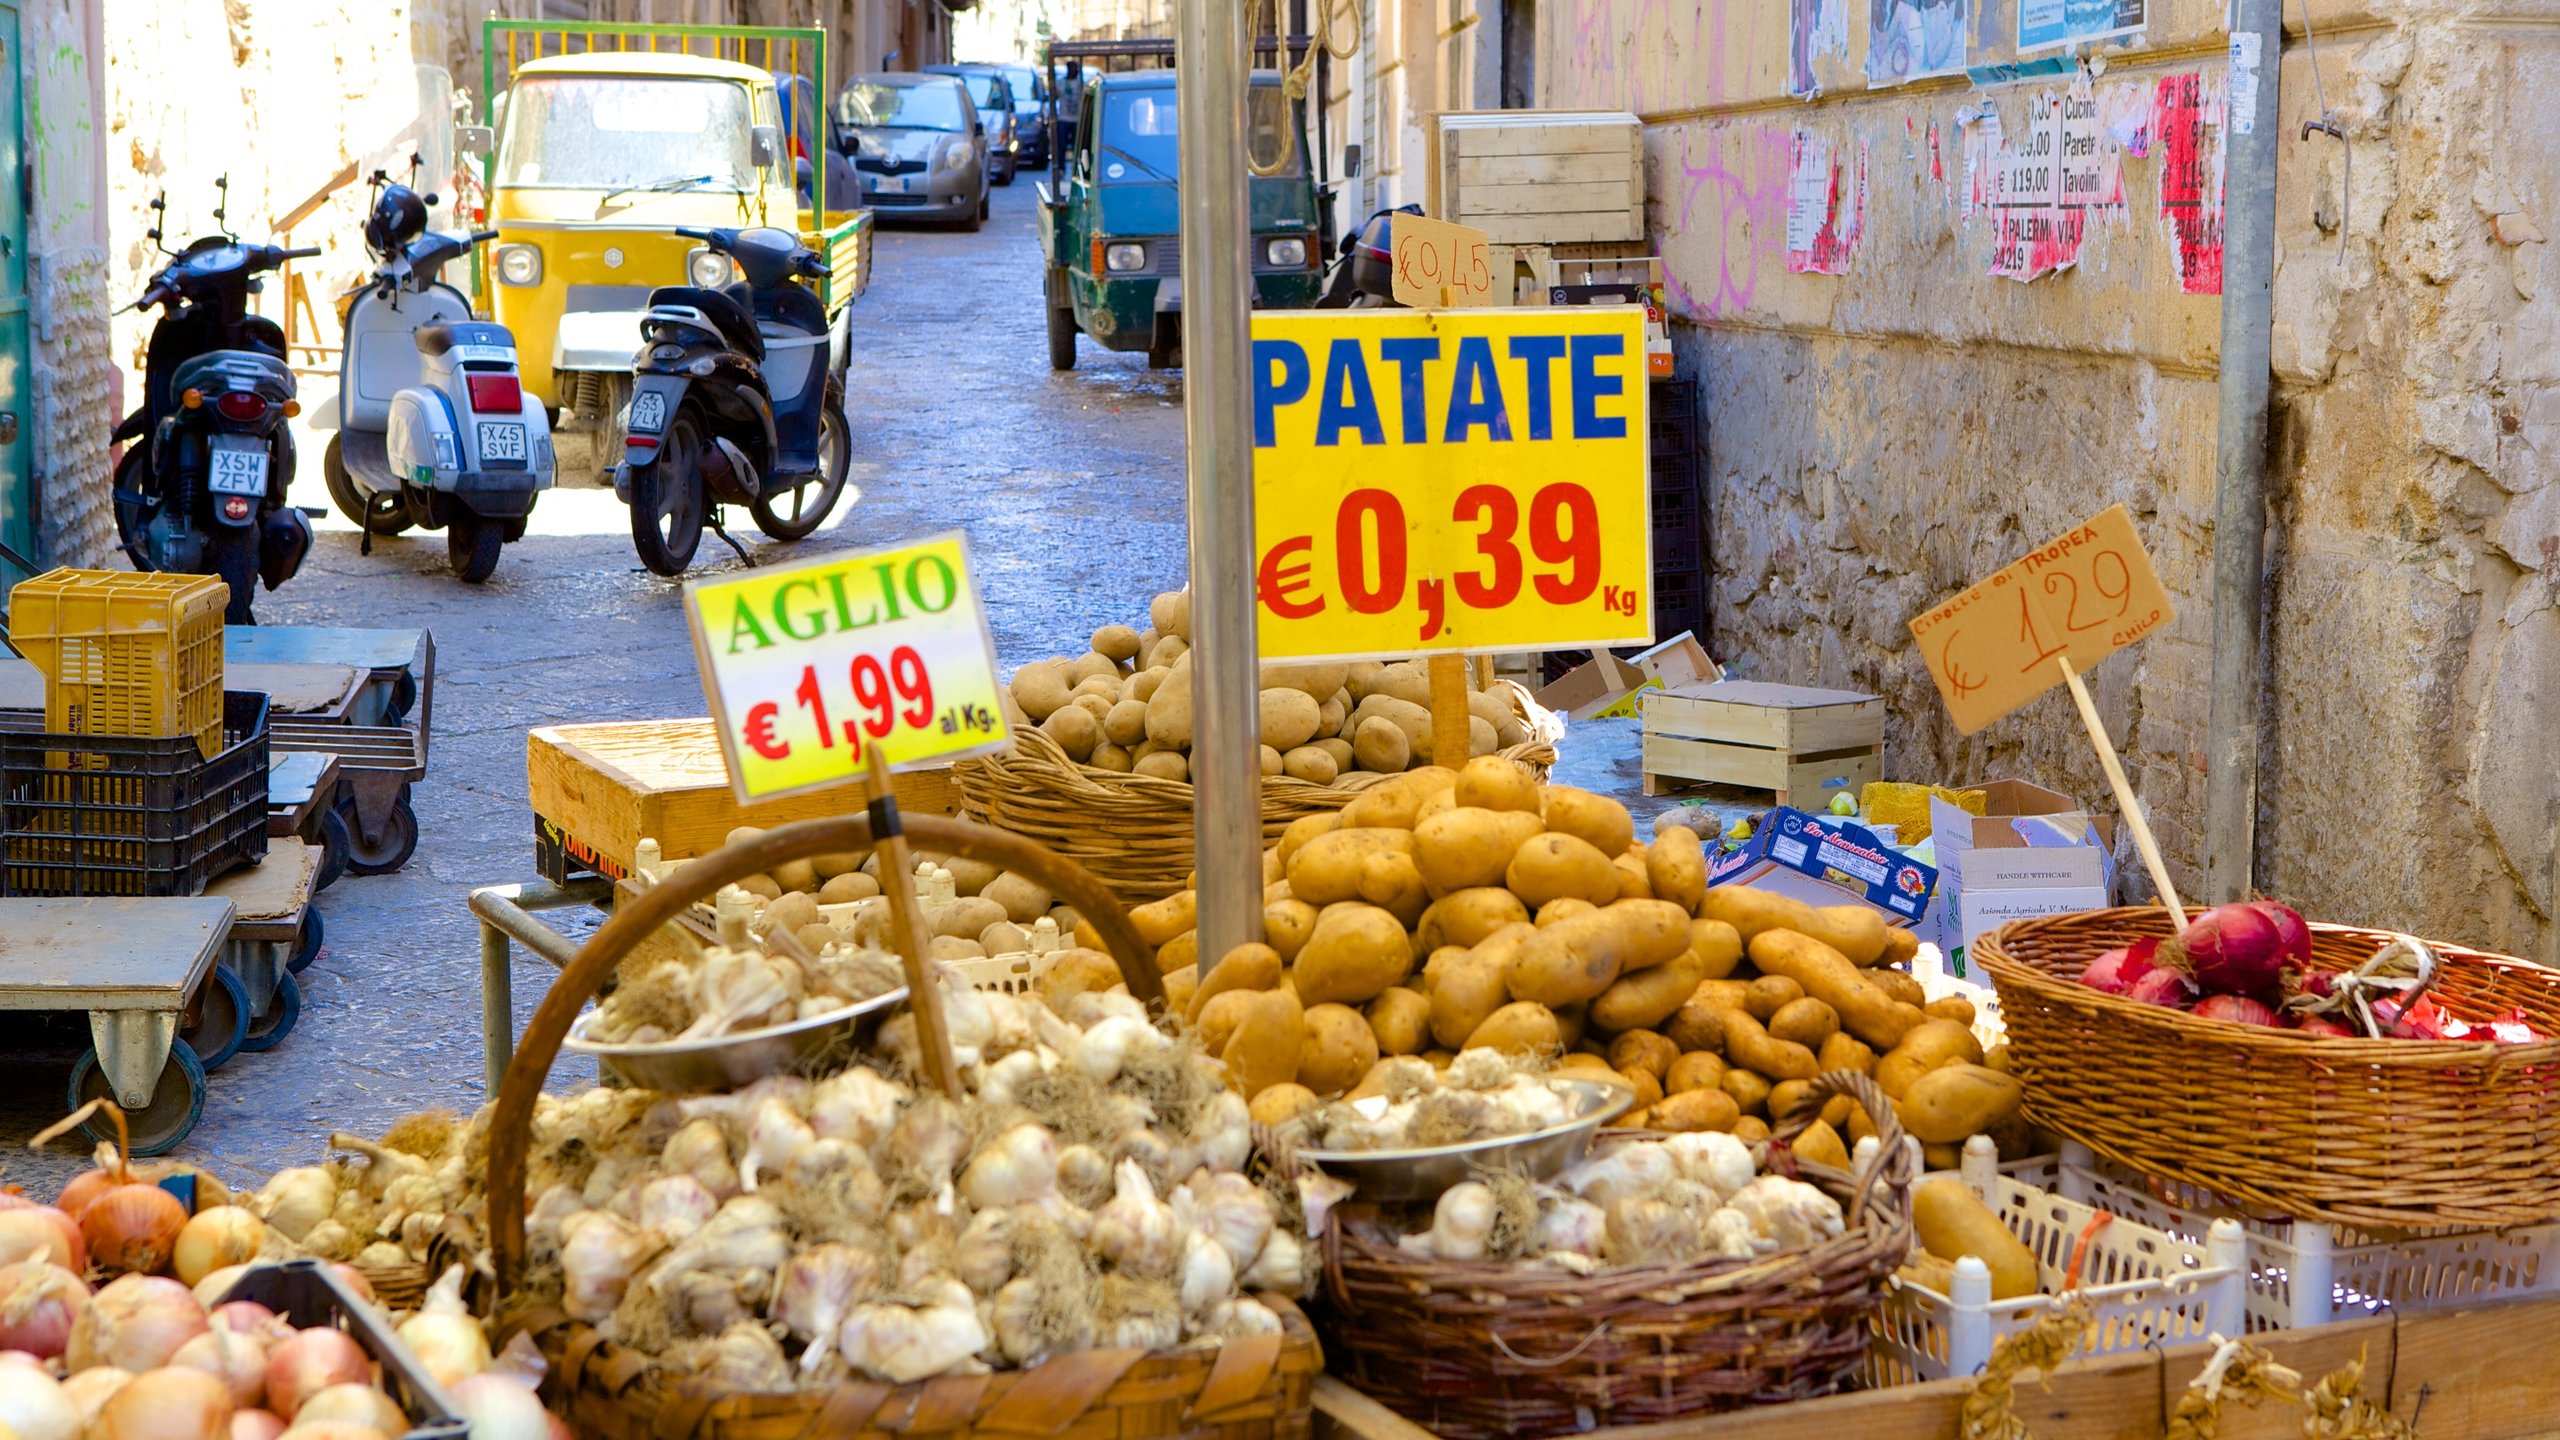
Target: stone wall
1879,437
73,407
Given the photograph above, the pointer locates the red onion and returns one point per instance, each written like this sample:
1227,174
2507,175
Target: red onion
248,1317
2163,987
355,1404
2116,971
2319,1025
310,1362
2231,950
2293,933
256,1425
134,1323
2239,1009
167,1404
38,1303
353,1279
238,1361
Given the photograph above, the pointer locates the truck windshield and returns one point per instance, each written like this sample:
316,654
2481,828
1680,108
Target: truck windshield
1138,133
1027,93
928,106
615,132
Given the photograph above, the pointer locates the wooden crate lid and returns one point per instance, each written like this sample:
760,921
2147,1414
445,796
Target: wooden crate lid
649,756
1769,696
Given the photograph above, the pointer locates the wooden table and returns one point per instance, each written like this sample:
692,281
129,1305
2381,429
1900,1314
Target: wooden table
132,963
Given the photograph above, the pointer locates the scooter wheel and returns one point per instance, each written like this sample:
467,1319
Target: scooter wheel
471,545
390,512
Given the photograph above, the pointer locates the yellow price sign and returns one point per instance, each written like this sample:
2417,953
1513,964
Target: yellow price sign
1452,480
810,668
2084,595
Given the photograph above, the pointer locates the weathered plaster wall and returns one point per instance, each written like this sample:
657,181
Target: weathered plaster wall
74,389
1881,437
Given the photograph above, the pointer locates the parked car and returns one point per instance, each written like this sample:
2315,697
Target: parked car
917,146
993,95
1030,124
807,135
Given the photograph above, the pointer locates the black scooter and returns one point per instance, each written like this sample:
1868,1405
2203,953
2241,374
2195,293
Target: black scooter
201,487
738,398
1363,275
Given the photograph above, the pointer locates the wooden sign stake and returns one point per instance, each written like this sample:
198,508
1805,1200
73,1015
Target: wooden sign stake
2123,788
906,926
1450,742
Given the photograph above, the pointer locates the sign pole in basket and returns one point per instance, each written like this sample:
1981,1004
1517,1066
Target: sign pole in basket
906,929
2074,601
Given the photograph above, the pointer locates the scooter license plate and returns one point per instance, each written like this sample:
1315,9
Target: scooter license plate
501,440
648,412
237,468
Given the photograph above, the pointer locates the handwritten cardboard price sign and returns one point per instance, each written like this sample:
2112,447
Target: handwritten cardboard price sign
2087,594
812,668
1437,265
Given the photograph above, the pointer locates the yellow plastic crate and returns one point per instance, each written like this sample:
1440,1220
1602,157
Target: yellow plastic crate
125,654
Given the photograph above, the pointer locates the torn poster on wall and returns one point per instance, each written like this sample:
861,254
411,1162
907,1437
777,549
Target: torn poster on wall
1814,28
1915,39
2186,123
1826,206
2043,24
2041,192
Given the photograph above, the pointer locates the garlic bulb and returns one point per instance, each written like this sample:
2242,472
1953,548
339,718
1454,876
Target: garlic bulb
816,1289
775,1134
1002,1081
1208,1273
747,1235
1014,1317
1526,1104
1280,1268
1229,1209
855,1106
1403,1077
748,1359
1095,1006
1789,1213
928,1140
1713,1159
1223,1132
674,1206
1152,1152
1318,1193
701,1151
297,1199
1728,1235
983,1255
903,1344
1461,1224
1111,1044
1647,1231
1629,1170
1020,1166
1478,1069
542,1223
599,1253
1084,1174
1134,1230
1243,1316
1571,1226
1058,1210
1138,1315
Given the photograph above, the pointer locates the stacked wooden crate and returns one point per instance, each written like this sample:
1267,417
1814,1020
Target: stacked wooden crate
1543,185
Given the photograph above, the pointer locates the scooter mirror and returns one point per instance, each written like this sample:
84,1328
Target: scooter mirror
1350,162
475,139
763,143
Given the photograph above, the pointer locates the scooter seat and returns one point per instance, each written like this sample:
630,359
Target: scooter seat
437,339
784,305
735,323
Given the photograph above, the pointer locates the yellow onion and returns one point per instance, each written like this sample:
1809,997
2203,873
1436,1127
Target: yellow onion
86,1186
336,1430
355,1404
213,1239
255,1425
353,1279
309,1362
33,1406
501,1409
248,1317
38,1304
133,1229
42,1231
134,1323
238,1361
89,1390
167,1404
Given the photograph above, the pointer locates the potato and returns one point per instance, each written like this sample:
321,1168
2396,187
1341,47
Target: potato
1317,682
1311,763
1952,1222
1328,868
1466,917
964,917
1464,847
1286,924
1163,765
1677,864
1900,986
1950,1007
1642,1050
1555,911
1170,613
1396,803
1182,949
1697,1026
1250,966
1583,1065
1597,820
1997,1058
1749,1090
1180,986
1220,1017
1489,782
1411,717
954,947
845,889
1639,1001
1355,952
1490,706
1040,688
1389,881
1339,1049
1645,1083
1521,1026
1467,986
1304,829
1401,1021
1694,1070
1023,899
1819,1144
1126,724
1854,930
1142,686
761,886
1901,947
1829,977
1574,1022
1845,1052
1753,1048
1169,708
1931,1045
1116,642
1482,739
1786,1095
1076,972
1115,758
1344,762
1168,652
1270,762
1097,695
1950,1105
1750,1129
1770,994
1718,947
1160,920
1092,666
1282,1103
1267,1042
1379,745
1807,1021
1552,866
1288,718
1578,958
1633,883
1694,1109
790,912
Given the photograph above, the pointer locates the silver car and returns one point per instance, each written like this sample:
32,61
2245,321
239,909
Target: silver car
917,146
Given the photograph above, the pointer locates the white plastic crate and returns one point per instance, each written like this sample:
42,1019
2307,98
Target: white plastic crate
2143,1286
2305,1273
1929,967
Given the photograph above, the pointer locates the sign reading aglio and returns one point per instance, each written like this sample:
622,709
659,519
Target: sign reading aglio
1452,480
810,667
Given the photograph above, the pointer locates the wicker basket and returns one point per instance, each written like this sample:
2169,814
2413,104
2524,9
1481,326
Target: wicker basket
1475,1351
1260,1388
2375,1133
1134,831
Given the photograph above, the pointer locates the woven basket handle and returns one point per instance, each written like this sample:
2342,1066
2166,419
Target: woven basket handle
1892,1163
511,1120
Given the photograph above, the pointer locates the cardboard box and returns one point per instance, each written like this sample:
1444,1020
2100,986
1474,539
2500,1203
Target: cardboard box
1823,860
2037,852
1603,685
1988,910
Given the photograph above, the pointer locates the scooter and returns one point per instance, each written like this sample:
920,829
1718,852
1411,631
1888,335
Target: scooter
433,427
1363,275
737,398
201,486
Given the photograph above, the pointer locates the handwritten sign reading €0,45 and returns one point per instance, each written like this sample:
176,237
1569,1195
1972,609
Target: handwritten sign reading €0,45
2087,594
1435,263
1453,480
809,668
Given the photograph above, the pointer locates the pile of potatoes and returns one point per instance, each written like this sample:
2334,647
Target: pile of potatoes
1447,909
1125,705
992,911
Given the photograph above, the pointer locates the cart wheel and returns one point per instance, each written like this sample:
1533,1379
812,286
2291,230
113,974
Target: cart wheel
404,694
176,1102
307,948
222,1020
268,1031
399,840
335,842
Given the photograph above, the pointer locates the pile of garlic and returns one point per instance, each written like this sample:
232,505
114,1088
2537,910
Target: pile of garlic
1653,1202
384,1211
1089,1192
1408,1104
759,975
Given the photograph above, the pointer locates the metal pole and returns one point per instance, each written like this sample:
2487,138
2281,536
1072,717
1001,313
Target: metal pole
1217,385
2240,455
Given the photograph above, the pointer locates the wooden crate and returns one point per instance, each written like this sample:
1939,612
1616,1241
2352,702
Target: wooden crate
597,790
1801,744
1542,177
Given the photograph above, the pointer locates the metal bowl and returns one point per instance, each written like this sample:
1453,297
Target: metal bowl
731,1062
1390,1176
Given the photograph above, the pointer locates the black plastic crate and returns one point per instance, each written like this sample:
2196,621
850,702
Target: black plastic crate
127,815
307,1294
1679,603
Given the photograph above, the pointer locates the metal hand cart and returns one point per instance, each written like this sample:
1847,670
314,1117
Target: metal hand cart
302,796
381,744
255,999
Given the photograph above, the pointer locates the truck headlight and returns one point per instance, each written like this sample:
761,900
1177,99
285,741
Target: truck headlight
707,268
958,155
1291,251
1124,257
520,264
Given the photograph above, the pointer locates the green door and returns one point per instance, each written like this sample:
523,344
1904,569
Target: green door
17,395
